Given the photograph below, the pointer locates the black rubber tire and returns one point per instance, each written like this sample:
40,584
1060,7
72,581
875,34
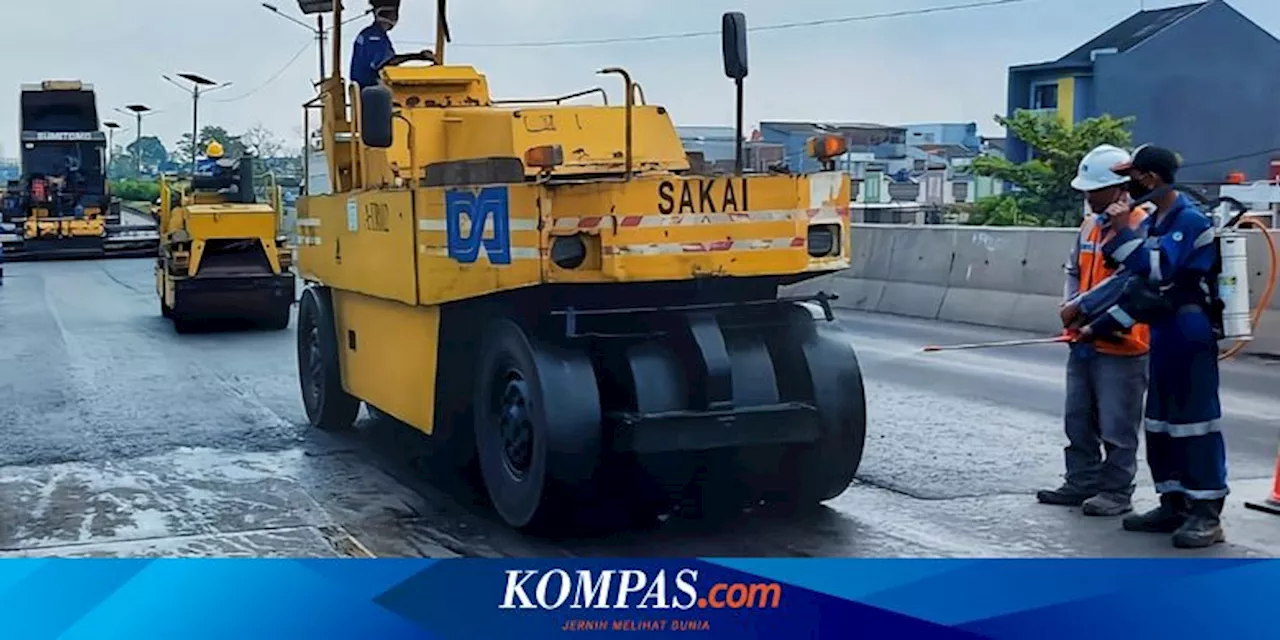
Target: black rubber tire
821,471
327,404
164,310
560,410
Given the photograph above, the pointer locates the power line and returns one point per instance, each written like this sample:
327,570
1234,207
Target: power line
1243,156
703,34
273,78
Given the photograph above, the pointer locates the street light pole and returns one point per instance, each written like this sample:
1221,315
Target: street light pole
320,31
195,124
138,111
198,82
320,38
111,137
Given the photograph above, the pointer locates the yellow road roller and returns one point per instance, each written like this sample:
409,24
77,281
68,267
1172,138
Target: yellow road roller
221,259
545,290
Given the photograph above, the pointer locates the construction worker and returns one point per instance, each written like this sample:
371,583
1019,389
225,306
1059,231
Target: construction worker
1175,265
373,49
1106,379
208,166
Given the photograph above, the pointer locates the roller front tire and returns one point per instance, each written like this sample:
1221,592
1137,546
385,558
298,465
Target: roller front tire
327,404
537,426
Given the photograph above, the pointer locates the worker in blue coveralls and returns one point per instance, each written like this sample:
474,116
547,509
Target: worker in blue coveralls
373,49
1184,442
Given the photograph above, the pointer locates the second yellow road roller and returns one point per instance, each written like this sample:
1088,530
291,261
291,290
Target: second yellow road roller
221,257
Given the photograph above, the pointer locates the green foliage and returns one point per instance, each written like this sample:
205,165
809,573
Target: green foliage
1001,211
271,154
150,149
136,190
122,167
1044,192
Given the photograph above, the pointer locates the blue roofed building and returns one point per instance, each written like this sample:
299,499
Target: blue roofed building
962,134
886,146
716,144
10,169
1198,78
713,148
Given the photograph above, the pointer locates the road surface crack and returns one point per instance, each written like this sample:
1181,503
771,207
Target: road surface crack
119,281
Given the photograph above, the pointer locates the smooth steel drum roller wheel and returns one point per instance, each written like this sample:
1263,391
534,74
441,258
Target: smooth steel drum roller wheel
185,325
537,426
277,319
328,405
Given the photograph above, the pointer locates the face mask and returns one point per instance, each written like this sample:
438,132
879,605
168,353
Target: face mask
1136,189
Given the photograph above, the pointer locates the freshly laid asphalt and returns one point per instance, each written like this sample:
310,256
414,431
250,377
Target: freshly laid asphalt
119,437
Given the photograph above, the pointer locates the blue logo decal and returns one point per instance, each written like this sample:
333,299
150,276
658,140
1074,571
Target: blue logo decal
490,203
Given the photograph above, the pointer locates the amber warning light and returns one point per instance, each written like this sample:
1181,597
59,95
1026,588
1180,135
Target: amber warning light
545,157
827,147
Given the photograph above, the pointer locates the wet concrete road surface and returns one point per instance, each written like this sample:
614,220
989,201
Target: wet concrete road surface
119,437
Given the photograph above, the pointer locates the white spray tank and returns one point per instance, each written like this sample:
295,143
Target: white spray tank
1233,279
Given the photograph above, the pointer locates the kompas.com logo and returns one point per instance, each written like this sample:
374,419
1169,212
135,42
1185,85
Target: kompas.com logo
611,589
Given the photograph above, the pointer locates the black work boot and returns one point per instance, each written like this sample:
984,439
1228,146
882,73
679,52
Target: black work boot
1166,518
1203,527
1107,504
1064,496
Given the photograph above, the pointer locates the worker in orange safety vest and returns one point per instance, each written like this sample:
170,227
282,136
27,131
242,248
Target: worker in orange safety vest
1106,377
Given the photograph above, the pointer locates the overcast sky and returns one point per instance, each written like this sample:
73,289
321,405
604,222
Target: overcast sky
947,66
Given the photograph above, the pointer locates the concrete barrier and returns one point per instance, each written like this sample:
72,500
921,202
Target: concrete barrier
996,276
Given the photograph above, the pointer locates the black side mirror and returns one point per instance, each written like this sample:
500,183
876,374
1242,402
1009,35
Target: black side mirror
733,29
734,32
377,114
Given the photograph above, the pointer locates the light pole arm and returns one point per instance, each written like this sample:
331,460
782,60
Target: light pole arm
176,83
288,17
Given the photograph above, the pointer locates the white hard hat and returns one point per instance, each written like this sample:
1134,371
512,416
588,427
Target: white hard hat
1095,170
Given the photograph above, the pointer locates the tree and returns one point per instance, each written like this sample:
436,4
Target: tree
150,149
122,167
262,142
1044,192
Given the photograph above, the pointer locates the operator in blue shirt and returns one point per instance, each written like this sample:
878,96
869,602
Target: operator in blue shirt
1177,260
373,49
208,165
